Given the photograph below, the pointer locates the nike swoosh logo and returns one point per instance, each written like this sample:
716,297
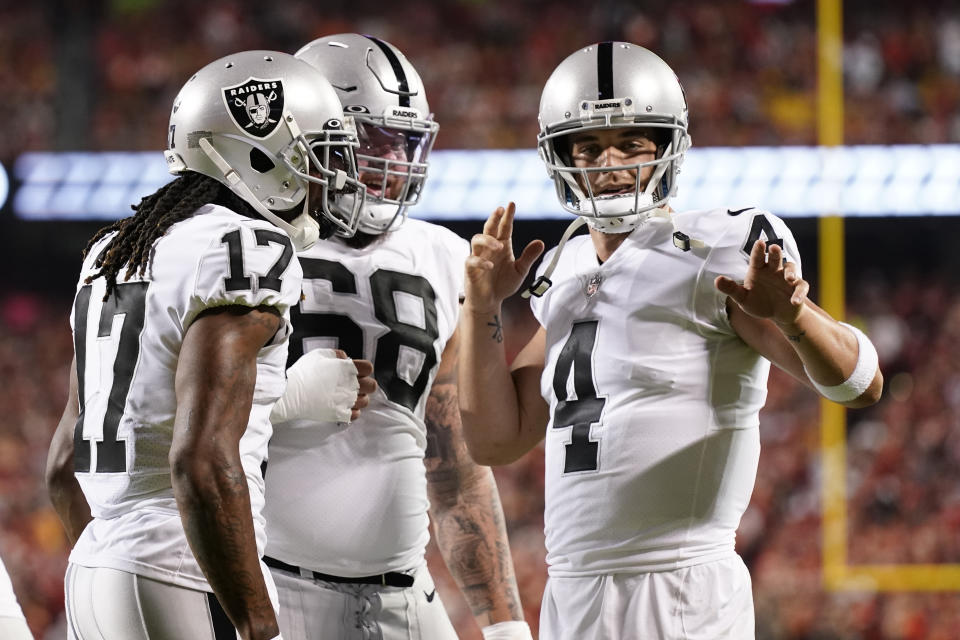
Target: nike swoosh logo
430,595
731,212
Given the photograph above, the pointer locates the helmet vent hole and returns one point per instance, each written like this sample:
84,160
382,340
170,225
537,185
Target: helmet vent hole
268,58
229,65
260,161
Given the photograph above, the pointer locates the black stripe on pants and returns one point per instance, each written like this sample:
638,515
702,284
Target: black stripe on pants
222,627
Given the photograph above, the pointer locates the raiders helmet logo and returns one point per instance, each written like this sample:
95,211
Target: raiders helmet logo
256,106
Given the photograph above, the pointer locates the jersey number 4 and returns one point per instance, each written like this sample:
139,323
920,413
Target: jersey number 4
582,454
401,337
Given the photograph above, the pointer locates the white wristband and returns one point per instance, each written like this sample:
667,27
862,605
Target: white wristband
863,374
320,387
510,630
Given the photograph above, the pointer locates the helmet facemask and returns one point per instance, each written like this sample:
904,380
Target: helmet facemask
330,178
618,212
324,159
392,161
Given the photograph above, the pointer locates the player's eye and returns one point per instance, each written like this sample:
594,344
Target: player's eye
636,147
586,150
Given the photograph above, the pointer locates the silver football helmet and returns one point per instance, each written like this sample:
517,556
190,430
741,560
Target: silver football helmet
382,91
270,127
612,85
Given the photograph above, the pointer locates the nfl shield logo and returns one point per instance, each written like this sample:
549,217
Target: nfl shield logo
255,105
593,285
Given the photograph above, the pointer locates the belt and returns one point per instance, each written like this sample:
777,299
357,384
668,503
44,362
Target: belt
390,579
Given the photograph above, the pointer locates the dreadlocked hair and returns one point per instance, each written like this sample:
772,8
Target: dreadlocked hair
132,244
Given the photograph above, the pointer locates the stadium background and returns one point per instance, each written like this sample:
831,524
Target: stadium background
101,75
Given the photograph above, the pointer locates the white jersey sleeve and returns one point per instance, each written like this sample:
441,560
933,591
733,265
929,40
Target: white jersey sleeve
127,350
244,266
729,240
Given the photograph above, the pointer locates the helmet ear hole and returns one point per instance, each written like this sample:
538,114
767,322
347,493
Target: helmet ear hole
260,161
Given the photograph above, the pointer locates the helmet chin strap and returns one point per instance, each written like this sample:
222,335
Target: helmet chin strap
386,217
680,240
303,230
541,284
620,224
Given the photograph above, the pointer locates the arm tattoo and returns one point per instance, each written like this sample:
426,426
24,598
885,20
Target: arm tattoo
795,338
497,328
470,528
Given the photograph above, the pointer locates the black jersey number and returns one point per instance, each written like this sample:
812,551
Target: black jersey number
761,226
582,453
129,302
238,280
401,337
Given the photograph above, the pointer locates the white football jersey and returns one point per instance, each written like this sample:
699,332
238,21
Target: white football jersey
351,499
127,350
652,444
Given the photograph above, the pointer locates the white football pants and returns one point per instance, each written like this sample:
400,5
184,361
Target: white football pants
317,610
106,604
711,601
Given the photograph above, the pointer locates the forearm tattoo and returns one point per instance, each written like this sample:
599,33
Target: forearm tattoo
795,338
470,528
497,327
218,522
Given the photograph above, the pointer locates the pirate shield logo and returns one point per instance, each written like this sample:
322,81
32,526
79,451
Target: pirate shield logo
255,106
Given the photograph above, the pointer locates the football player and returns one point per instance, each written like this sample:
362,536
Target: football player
649,369
348,507
181,326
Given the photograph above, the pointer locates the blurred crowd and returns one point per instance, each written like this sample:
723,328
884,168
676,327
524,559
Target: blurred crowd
903,476
102,74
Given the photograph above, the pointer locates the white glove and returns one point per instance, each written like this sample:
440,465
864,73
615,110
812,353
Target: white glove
510,630
320,387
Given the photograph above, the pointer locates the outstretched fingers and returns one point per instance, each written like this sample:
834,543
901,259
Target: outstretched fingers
505,226
732,288
477,263
775,257
530,254
483,244
758,255
492,222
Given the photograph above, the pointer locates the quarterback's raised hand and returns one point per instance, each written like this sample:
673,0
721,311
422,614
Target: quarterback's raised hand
772,289
492,271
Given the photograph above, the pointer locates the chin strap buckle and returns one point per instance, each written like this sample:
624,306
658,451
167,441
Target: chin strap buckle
538,288
684,242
